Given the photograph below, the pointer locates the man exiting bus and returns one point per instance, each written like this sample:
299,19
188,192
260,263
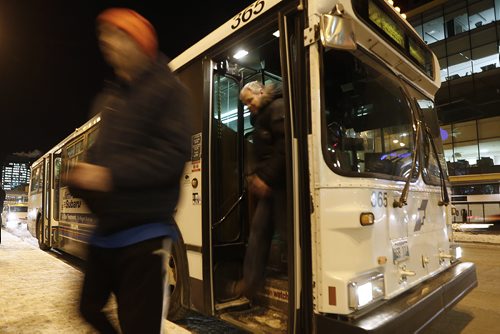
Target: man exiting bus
130,179
267,110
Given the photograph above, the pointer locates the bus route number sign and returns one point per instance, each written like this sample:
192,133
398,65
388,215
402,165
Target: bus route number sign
247,14
379,199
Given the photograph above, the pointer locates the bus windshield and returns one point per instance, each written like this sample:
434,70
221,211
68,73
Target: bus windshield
18,209
368,121
431,163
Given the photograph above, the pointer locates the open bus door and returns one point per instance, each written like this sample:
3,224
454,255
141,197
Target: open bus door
232,205
43,221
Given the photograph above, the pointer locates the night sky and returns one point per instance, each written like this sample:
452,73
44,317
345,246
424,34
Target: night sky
51,67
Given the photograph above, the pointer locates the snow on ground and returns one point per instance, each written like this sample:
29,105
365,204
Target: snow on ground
20,230
476,237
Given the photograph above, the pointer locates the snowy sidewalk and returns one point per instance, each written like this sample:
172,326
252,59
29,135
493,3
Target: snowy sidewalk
39,293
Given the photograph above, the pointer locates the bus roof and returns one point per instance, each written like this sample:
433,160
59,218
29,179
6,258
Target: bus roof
87,125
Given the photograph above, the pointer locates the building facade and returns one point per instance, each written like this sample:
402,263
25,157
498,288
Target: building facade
465,36
15,172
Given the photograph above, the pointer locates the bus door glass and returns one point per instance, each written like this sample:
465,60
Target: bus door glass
56,184
228,204
47,187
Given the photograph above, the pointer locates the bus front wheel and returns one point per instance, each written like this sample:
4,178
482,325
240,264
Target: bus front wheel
178,284
39,233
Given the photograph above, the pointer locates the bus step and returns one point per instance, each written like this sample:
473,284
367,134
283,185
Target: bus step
275,294
233,304
258,320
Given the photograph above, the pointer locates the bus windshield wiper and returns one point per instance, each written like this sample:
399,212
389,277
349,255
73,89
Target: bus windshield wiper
416,149
404,194
445,199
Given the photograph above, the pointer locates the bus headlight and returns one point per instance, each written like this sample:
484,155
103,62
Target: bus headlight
366,289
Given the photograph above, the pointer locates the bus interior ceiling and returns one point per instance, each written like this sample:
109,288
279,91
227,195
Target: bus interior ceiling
263,55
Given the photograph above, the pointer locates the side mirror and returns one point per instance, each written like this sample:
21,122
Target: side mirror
337,30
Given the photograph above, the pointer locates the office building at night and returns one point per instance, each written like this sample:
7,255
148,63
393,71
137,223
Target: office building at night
15,172
465,36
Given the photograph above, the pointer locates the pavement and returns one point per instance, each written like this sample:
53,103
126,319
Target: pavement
39,293
479,311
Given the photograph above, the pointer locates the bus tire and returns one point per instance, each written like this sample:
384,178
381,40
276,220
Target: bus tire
39,233
178,282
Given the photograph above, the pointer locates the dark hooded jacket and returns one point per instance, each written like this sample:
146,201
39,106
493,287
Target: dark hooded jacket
144,139
269,140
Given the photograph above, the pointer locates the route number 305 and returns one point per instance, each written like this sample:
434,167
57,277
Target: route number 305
245,15
379,199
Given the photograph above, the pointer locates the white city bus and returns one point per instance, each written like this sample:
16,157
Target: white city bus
369,241
476,199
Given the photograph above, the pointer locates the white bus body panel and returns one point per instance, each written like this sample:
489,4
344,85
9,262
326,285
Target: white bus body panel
188,215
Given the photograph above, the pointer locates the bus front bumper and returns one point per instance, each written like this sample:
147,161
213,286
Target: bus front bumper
413,310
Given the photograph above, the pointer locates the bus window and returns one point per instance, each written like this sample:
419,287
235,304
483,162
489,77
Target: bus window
367,118
35,175
91,138
57,184
71,155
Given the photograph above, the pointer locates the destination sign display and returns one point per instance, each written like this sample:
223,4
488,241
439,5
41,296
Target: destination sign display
391,27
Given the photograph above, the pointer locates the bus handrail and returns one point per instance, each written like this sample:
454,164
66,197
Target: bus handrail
231,209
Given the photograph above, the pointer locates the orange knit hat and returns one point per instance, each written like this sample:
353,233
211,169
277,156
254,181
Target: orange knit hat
135,25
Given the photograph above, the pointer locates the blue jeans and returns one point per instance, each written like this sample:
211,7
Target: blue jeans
269,218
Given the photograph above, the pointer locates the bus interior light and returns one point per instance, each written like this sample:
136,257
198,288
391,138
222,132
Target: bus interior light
240,54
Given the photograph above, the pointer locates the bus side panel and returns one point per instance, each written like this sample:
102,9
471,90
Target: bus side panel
75,225
192,198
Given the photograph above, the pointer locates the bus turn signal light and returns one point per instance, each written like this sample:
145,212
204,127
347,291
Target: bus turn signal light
367,218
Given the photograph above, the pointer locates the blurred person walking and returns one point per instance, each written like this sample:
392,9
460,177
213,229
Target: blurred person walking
130,179
267,182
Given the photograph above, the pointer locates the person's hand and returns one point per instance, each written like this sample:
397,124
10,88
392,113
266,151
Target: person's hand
259,187
90,177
